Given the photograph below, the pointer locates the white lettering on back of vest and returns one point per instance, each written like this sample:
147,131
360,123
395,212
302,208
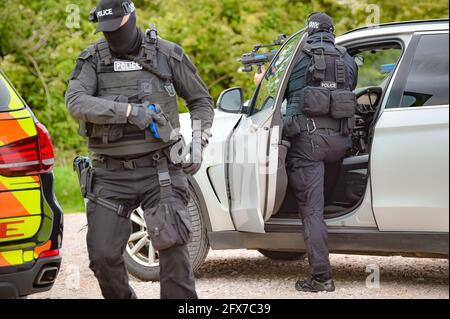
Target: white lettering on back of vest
329,85
126,66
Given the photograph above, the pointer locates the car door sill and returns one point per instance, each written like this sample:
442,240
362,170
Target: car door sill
362,241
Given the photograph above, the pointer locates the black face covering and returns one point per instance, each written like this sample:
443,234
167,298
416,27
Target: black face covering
125,40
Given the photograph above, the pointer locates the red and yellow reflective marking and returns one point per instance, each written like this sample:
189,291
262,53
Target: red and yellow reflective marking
20,203
40,249
17,124
15,130
18,257
19,228
14,115
15,102
19,183
20,197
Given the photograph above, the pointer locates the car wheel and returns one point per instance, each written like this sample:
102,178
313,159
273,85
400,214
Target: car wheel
283,255
142,260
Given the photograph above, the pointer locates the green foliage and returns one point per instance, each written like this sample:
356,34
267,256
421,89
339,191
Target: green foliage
38,50
67,190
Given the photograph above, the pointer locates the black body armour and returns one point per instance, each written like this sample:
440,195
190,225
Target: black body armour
327,100
145,79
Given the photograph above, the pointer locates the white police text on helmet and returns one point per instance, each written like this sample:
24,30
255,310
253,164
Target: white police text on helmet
105,13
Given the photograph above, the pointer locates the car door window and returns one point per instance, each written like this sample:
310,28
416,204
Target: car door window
272,80
5,97
376,64
427,82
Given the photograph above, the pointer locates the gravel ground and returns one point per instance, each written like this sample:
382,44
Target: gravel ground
247,274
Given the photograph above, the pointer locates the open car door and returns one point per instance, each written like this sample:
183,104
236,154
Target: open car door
255,169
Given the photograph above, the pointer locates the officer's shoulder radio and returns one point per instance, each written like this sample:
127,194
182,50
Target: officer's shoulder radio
152,34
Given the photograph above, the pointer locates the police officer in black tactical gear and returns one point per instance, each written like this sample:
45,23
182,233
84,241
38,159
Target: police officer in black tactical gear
319,121
123,92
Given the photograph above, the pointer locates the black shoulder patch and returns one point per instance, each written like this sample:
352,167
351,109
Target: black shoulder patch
178,52
85,55
341,49
189,64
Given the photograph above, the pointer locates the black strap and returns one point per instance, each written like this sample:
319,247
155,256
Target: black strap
121,210
105,52
150,68
312,124
340,71
320,66
112,163
106,130
165,181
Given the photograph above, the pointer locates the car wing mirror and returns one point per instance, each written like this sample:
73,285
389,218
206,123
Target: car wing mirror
231,101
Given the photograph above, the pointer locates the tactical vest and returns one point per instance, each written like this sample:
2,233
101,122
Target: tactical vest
146,79
328,89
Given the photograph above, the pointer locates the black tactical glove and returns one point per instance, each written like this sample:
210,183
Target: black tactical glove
142,117
196,148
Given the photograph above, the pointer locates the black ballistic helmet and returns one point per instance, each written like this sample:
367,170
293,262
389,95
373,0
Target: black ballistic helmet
109,14
320,22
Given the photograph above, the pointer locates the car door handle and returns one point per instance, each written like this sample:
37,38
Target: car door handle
253,128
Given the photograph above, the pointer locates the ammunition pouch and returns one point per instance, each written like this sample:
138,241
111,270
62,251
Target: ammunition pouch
315,101
343,104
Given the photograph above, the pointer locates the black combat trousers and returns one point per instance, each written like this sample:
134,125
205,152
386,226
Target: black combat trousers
314,162
108,233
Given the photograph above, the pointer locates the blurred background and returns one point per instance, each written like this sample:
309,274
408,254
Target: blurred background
40,41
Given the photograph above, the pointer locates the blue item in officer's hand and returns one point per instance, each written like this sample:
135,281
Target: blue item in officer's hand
154,126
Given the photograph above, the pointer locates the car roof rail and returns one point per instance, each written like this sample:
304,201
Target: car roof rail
391,24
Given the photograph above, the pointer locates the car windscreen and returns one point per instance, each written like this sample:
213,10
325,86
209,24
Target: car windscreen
5,96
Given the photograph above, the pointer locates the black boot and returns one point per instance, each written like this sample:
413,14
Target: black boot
315,285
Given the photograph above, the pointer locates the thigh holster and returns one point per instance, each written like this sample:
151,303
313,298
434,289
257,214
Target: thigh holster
168,223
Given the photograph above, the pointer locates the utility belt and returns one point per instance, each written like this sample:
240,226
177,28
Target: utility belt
85,169
131,164
168,222
297,124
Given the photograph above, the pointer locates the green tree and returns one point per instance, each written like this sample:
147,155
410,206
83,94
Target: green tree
38,48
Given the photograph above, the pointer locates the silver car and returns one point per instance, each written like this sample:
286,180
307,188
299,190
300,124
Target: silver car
393,193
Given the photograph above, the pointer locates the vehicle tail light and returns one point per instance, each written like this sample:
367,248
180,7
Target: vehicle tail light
30,156
46,155
49,253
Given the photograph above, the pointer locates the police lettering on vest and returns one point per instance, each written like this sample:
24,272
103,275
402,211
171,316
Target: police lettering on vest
125,66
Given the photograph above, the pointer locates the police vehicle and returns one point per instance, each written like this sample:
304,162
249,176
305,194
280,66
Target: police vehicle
393,193
30,217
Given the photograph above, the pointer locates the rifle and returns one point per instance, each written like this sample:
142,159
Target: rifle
254,58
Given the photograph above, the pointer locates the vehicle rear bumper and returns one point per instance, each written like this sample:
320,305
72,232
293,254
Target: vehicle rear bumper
19,283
